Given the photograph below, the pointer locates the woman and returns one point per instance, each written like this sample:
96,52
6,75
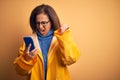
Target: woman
55,48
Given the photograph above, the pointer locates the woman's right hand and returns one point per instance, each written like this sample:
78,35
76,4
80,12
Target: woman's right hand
30,55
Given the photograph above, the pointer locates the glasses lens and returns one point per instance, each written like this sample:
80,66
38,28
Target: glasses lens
44,23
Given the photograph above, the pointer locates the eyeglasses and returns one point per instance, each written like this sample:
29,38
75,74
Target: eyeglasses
43,23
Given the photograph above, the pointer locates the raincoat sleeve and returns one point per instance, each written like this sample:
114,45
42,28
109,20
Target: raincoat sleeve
68,52
22,66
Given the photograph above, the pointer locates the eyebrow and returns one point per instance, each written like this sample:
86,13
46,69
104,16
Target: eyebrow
42,22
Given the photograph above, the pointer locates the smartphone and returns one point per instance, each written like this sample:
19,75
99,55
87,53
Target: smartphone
28,40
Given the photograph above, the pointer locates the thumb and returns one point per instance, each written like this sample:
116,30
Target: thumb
28,48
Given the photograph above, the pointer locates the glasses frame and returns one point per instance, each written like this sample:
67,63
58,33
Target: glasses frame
43,23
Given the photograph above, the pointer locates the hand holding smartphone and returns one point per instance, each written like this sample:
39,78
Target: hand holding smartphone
30,51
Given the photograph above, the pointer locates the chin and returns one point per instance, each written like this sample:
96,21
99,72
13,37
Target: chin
43,34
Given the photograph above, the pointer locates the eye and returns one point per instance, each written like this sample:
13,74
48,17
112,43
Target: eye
43,22
38,23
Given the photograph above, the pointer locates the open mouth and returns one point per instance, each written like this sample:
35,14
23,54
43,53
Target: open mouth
43,30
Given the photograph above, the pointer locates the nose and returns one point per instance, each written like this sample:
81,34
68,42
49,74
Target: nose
41,27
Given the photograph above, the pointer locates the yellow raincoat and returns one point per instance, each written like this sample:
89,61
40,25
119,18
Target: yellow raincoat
63,51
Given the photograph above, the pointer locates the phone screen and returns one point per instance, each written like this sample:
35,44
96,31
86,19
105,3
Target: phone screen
28,40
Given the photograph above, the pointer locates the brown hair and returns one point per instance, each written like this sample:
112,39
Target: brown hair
55,23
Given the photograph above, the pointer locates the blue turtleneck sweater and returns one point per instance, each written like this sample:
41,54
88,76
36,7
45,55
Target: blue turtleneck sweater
44,42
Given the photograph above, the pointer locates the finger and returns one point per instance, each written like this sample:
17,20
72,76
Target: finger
34,52
64,27
28,48
27,57
61,26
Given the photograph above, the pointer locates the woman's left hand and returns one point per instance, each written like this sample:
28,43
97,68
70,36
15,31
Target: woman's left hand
63,28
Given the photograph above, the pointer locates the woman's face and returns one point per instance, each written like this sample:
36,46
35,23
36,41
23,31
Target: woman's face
43,23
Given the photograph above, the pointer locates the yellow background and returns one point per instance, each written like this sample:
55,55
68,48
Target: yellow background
95,26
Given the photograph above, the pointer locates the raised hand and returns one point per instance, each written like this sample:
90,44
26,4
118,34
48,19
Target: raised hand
30,55
63,28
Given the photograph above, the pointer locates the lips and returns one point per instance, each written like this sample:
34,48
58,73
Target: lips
42,32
